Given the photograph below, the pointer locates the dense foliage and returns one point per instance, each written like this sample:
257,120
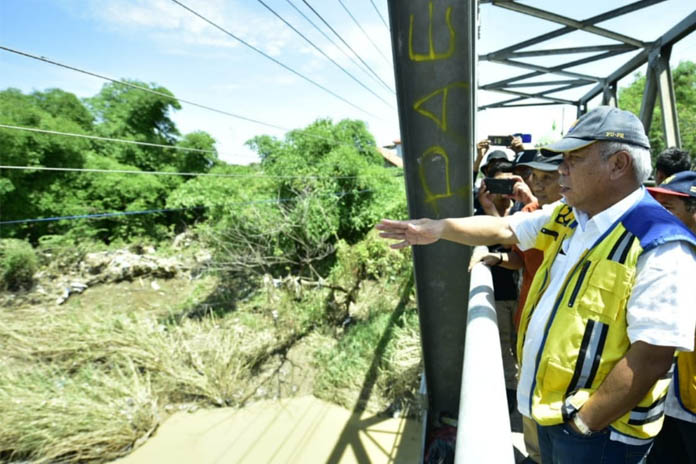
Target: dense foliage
18,263
318,185
118,111
684,77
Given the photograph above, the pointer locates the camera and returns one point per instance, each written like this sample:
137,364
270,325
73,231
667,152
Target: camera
502,186
506,140
502,140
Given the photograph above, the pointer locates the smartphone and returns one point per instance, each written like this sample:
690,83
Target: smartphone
503,186
502,140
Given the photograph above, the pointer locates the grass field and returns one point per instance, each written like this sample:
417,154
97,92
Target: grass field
92,379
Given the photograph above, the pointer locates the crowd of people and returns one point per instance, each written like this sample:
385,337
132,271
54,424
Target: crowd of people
598,334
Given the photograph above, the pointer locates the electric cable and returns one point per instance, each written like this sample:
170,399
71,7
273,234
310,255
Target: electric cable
155,92
346,44
357,23
107,139
266,55
380,15
140,87
191,174
134,142
324,54
326,36
167,210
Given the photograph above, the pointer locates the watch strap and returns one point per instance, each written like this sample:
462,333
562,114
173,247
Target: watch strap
581,425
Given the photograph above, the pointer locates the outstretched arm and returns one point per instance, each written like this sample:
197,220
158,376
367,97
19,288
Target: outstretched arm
475,230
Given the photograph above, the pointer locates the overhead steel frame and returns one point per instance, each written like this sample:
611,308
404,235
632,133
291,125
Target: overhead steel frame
656,54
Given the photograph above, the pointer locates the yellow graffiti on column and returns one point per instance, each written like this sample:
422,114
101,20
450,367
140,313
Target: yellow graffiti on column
441,121
431,154
431,55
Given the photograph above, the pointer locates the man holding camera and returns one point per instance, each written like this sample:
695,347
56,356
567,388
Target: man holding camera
609,303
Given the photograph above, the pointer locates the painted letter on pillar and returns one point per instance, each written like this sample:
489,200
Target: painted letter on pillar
432,55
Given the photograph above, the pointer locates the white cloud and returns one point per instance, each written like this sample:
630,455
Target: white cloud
178,31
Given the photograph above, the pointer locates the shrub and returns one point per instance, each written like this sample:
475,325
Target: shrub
18,263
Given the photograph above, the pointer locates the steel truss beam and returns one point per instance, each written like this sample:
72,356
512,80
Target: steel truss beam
567,29
579,25
659,82
656,54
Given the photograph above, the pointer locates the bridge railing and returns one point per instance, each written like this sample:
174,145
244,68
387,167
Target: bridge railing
483,429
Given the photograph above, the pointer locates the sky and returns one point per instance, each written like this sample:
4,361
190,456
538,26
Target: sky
158,41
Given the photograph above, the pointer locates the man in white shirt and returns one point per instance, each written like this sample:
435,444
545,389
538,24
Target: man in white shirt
608,305
675,443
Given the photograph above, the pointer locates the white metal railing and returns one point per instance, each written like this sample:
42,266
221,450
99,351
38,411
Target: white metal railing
483,429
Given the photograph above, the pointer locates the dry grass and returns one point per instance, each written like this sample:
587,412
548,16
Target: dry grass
80,385
400,372
92,379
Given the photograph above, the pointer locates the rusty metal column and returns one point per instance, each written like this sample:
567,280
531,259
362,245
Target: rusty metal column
434,59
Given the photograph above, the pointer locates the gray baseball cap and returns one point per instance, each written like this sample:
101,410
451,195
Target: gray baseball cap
542,161
603,123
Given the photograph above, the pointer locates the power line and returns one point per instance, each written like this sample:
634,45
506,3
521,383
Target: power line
324,54
297,73
326,36
379,14
95,216
363,31
193,174
168,210
346,44
155,92
106,139
140,87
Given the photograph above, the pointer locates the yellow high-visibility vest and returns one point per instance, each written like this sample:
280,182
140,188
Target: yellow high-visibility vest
685,378
586,334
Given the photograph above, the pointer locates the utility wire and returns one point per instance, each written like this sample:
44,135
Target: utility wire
326,36
297,73
106,139
346,44
324,54
169,210
380,15
192,174
140,87
133,142
94,216
357,23
155,92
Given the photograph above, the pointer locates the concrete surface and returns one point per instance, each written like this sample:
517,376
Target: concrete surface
296,430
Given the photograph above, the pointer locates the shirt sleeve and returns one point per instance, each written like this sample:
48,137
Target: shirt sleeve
662,309
526,226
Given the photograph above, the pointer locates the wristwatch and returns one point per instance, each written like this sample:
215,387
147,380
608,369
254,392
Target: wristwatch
570,414
581,425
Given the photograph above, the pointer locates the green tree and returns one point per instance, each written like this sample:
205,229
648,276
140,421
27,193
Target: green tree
322,184
59,103
119,112
29,194
125,112
196,161
684,77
